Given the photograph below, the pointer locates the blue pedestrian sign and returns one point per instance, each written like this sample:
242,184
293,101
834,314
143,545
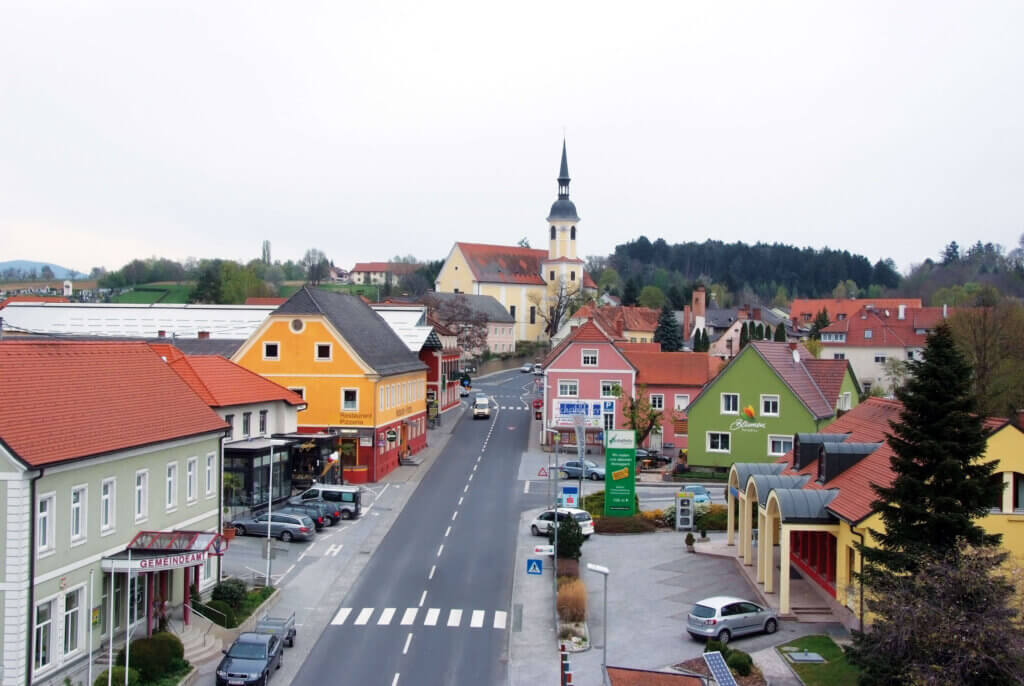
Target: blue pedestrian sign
534,566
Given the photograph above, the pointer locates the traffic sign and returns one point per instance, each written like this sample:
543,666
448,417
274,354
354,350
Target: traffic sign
543,472
534,566
543,550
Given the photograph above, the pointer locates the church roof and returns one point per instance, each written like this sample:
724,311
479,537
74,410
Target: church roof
509,264
563,209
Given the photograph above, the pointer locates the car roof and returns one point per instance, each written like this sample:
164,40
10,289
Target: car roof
253,637
571,510
719,601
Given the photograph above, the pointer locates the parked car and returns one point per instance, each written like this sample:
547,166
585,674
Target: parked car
724,618
700,494
311,511
526,368
346,499
282,627
655,457
590,470
481,407
468,368
250,660
538,369
544,521
286,526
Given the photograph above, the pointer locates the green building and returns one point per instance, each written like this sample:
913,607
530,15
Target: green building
766,394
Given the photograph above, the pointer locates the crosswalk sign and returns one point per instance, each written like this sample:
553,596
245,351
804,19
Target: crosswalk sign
543,472
534,566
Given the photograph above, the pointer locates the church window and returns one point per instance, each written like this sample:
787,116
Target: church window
572,233
552,233
552,277
533,314
512,311
572,276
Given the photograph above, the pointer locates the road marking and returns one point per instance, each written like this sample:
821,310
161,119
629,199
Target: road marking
408,640
394,682
305,552
385,616
474,467
454,617
470,477
454,515
479,458
526,487
410,616
477,620
342,615
440,549
333,550
447,531
432,568
431,619
466,488
460,499
423,598
500,617
364,616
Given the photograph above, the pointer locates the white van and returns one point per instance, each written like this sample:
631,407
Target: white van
481,407
346,498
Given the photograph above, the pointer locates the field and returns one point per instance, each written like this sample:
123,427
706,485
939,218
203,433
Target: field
170,294
289,287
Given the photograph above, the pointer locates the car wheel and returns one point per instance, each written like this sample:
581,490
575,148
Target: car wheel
291,642
771,626
534,530
562,474
723,636
239,530
594,476
345,514
286,536
586,537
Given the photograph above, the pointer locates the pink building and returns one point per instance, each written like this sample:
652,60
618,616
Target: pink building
582,375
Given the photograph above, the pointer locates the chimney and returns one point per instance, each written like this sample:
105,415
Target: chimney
204,334
757,314
699,301
902,312
161,334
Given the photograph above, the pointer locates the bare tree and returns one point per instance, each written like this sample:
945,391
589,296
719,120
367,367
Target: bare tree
561,305
456,313
992,340
316,266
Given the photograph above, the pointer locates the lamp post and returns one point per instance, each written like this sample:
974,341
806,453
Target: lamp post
270,508
603,571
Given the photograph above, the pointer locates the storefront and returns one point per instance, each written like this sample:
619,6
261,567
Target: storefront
314,457
255,471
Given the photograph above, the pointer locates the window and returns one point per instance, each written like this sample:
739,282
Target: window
171,494
297,325
271,351
44,523
229,419
301,392
72,620
779,445
730,403
866,386
246,423
608,389
211,464
867,333
841,316
533,314
879,359
349,399
568,389
770,405
718,442
572,233
609,421
382,397
910,354
552,238
572,275
41,649
512,311
838,356
263,422
107,512
589,358
191,469
844,401
141,494
682,401
78,510
657,401
552,275
323,352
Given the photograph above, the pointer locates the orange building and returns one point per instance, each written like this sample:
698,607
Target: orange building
361,383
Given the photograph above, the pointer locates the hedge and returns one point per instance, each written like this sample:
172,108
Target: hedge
118,672
623,525
714,518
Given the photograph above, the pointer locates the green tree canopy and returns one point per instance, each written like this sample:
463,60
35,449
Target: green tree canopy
652,297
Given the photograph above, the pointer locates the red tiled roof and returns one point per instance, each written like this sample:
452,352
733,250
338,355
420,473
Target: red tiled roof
828,374
797,376
511,264
265,301
588,332
847,306
624,676
617,319
626,346
222,383
62,400
587,281
393,267
33,299
887,329
674,369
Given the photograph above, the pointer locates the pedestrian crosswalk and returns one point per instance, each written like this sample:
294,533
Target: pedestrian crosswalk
432,616
511,407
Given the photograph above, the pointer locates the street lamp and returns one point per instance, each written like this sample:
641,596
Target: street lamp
603,571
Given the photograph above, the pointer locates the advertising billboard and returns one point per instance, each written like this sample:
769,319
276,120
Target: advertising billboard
620,473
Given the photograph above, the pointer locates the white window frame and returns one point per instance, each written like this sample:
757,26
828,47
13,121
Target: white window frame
845,399
838,356
79,621
82,510
264,422
275,358
316,351
211,475
779,437
586,354
141,505
611,393
51,636
108,527
382,393
721,402
707,442
171,486
300,390
880,359
576,388
660,405
778,405
246,424
685,404
46,529
344,408
191,480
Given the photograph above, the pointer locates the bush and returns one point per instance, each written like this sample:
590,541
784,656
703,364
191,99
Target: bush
150,658
715,518
668,517
594,503
118,672
570,539
174,645
716,646
226,616
231,591
572,601
623,525
740,662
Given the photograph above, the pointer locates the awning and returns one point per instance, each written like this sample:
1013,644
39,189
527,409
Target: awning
152,551
257,445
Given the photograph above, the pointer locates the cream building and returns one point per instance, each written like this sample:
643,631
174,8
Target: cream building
528,283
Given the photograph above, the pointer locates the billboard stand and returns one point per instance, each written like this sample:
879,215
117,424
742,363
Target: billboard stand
620,473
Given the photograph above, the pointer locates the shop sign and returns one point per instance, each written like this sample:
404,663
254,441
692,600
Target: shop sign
356,417
391,435
366,441
744,425
156,563
566,413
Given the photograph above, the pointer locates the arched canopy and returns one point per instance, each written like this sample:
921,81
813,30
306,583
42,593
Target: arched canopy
802,506
765,483
741,471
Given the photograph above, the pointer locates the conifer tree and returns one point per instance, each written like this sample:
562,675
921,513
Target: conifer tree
744,336
667,332
758,331
780,332
630,293
767,332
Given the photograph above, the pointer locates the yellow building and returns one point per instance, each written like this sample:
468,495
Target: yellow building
814,507
359,380
527,282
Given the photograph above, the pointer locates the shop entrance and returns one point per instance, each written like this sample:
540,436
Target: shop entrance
349,452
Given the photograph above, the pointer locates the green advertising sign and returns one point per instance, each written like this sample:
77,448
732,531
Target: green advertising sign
620,474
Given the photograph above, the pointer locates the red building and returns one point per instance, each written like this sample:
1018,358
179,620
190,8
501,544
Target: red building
441,355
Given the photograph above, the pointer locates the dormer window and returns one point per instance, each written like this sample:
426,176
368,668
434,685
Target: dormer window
589,358
867,333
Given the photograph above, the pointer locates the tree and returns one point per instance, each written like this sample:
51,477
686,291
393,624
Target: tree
630,293
652,297
640,416
315,265
667,332
562,302
767,332
414,284
609,281
570,539
705,343
821,321
208,286
676,297
744,336
780,332
758,331
895,370
814,347
781,298
524,242
46,273
992,341
265,253
455,313
951,253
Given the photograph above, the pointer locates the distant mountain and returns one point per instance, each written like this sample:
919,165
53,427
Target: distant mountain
21,267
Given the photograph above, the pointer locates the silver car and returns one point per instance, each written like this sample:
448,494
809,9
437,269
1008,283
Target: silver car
286,526
723,618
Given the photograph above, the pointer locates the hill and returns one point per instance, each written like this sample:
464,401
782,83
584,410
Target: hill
12,270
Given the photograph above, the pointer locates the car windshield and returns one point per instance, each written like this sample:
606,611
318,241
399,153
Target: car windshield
590,464
703,611
248,651
699,490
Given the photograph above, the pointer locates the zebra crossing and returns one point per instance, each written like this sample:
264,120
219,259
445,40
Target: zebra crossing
432,616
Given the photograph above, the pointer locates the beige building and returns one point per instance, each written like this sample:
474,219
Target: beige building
528,283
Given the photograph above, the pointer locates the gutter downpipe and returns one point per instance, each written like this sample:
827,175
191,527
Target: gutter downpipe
861,574
31,574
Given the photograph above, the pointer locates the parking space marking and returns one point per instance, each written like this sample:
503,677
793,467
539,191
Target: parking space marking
333,550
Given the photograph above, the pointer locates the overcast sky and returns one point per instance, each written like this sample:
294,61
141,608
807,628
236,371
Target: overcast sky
369,129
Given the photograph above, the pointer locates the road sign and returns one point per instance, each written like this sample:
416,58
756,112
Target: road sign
534,566
543,472
543,550
570,496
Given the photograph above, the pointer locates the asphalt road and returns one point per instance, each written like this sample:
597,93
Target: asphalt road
432,606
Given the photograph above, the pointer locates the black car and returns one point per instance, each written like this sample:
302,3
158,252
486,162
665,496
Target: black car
314,513
250,660
656,458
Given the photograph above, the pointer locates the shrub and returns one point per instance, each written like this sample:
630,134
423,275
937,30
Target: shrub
174,645
653,516
570,539
668,517
594,503
715,518
150,658
224,615
716,646
568,568
231,591
118,677
572,601
568,632
623,525
740,662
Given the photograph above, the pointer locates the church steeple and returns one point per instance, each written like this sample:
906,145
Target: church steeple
563,175
562,221
563,209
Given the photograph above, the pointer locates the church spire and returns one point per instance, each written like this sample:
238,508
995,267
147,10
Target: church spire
563,175
563,209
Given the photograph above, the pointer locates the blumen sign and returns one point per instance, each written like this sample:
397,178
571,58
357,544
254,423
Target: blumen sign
620,473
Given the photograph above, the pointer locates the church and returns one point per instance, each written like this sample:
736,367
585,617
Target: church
528,283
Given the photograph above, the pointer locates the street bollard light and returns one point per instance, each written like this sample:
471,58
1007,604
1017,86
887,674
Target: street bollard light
603,571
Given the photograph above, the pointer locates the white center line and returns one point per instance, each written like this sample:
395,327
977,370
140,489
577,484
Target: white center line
410,616
431,619
460,499
432,568
394,682
474,467
454,515
364,615
526,487
385,616
466,488
423,598
440,549
470,477
408,640
447,531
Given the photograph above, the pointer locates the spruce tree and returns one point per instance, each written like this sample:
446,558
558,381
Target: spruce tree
744,336
630,293
758,331
706,341
820,322
767,332
667,332
780,332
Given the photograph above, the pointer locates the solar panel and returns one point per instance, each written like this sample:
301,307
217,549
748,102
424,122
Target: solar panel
719,670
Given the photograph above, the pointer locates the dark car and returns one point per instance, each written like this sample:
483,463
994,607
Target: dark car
313,513
250,660
655,457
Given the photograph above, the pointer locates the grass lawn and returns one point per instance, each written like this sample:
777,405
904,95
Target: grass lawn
170,294
835,672
287,289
